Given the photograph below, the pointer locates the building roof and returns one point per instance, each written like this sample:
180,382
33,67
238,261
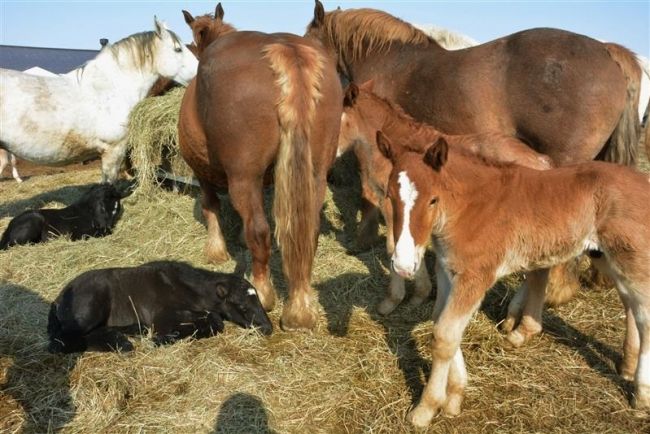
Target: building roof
57,60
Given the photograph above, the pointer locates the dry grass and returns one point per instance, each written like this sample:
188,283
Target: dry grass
153,138
357,372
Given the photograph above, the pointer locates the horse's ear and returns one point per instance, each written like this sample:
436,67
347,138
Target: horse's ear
189,19
436,155
159,26
319,14
385,146
368,86
222,291
351,94
218,12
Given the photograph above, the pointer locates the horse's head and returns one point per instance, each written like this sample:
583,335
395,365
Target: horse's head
172,59
363,115
416,191
238,302
207,28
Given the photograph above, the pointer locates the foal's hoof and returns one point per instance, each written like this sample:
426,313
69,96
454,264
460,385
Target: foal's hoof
453,405
421,416
416,301
626,372
642,402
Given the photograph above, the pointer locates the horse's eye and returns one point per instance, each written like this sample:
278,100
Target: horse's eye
178,49
433,201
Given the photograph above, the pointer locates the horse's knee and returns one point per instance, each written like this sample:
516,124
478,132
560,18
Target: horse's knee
444,345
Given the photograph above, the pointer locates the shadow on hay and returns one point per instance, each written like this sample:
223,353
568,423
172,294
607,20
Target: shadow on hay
596,354
37,380
338,296
242,413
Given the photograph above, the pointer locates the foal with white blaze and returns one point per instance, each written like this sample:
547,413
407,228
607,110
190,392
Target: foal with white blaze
69,118
488,220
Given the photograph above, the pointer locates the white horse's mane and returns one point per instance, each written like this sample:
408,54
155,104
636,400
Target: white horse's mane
447,38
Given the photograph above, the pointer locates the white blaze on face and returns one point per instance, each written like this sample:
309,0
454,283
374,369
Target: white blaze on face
407,255
251,291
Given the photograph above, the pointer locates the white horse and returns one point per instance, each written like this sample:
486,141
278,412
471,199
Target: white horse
7,158
449,40
76,116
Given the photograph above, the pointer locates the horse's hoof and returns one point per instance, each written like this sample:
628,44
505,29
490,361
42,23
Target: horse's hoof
641,400
516,338
509,324
626,372
453,405
217,257
416,301
303,321
386,306
421,416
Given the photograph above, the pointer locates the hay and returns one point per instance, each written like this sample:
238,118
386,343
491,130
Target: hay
153,139
357,372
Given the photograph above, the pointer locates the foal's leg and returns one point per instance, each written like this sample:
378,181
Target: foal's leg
171,326
395,294
422,285
215,246
246,197
464,299
515,308
99,339
531,319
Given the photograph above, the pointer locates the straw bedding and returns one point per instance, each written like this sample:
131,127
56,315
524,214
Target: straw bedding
357,372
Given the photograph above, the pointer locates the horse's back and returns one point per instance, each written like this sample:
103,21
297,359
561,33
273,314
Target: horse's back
238,92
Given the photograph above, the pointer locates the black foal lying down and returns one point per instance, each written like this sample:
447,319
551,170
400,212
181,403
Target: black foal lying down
94,215
97,308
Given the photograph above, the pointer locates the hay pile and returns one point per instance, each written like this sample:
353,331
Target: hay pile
357,372
153,139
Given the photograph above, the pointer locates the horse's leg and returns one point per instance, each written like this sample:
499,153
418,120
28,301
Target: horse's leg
422,286
99,339
4,160
246,197
172,326
563,283
215,246
531,319
447,368
14,169
515,308
112,159
367,234
395,294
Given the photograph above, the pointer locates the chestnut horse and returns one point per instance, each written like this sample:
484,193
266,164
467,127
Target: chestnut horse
563,94
264,108
488,220
364,116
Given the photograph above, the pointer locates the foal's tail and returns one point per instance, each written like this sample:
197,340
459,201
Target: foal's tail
622,144
299,71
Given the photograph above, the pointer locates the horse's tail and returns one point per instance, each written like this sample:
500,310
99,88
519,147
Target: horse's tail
622,144
299,71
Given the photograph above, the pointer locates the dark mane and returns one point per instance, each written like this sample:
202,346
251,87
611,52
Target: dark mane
362,31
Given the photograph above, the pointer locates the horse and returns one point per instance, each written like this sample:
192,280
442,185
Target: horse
6,158
448,39
531,85
487,220
174,299
264,108
364,116
83,114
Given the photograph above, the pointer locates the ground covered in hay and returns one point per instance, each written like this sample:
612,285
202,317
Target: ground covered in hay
357,372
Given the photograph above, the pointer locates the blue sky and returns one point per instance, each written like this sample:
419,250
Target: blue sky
80,24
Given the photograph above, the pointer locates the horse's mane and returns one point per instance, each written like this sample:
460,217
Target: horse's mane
447,38
207,20
362,31
139,48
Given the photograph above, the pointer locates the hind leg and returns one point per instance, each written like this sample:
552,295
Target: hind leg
215,246
246,197
368,226
100,339
112,158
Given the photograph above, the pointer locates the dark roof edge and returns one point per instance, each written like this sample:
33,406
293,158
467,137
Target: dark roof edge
49,48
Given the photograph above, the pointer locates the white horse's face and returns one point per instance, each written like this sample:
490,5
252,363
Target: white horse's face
173,60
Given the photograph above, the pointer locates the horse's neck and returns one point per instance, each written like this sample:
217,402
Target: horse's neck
468,175
409,133
105,77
